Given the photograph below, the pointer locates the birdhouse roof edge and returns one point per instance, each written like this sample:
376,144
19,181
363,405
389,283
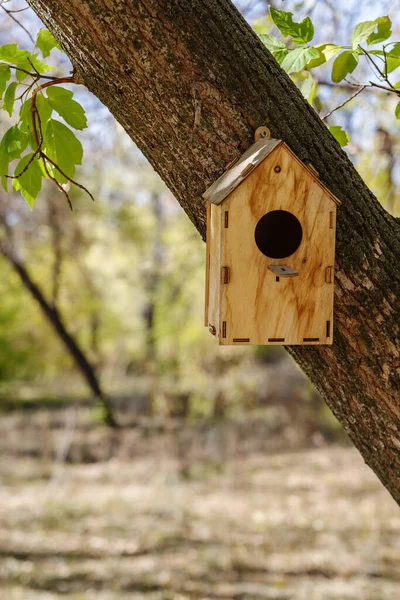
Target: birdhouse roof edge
217,192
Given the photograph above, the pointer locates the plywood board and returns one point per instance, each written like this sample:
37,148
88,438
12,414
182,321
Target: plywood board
229,180
214,234
255,304
208,244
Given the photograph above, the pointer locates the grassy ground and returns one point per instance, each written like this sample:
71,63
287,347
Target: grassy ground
200,513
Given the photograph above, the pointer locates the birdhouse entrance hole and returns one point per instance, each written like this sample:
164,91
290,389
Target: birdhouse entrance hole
278,234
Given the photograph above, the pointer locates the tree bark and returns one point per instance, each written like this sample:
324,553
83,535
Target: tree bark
146,60
53,316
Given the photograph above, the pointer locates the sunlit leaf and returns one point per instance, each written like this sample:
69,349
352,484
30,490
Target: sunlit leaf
384,30
71,111
309,88
361,32
44,111
30,182
393,57
301,33
45,41
397,111
344,64
5,75
9,98
327,51
63,148
12,54
340,134
275,46
297,59
15,142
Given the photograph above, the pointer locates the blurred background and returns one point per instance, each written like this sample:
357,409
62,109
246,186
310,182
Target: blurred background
229,477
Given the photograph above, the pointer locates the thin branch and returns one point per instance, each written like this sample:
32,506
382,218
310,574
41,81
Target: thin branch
10,14
82,187
26,166
369,57
362,88
392,89
36,75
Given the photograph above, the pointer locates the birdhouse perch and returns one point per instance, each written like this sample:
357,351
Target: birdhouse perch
270,251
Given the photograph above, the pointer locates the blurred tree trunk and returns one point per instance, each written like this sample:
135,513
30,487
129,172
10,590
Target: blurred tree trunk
153,279
147,60
52,314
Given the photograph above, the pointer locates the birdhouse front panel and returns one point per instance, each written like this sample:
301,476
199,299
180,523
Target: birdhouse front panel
275,252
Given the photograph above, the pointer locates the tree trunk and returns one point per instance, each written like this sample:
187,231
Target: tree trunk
54,318
146,60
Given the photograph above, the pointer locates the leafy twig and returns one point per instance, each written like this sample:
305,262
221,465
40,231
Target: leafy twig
38,136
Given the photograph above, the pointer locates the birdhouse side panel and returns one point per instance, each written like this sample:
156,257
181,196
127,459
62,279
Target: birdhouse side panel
207,278
257,305
214,268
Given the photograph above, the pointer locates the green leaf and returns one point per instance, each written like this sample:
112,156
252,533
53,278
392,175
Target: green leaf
15,142
327,51
45,41
384,31
63,148
43,108
361,32
5,75
275,46
344,64
330,50
297,59
393,58
4,158
12,54
309,88
9,98
301,33
316,62
61,101
397,111
33,64
397,85
30,183
340,135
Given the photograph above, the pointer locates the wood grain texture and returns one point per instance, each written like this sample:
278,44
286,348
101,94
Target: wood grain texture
214,287
208,249
220,189
255,306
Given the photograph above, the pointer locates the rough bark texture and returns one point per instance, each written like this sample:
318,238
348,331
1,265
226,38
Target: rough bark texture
145,59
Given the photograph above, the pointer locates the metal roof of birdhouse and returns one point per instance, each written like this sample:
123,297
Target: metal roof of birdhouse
224,185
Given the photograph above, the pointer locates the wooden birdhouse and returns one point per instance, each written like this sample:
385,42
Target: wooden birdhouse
270,251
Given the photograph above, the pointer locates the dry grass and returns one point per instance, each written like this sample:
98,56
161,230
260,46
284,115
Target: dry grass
210,517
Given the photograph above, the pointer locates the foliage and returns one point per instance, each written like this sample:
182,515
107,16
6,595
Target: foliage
45,147
301,60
